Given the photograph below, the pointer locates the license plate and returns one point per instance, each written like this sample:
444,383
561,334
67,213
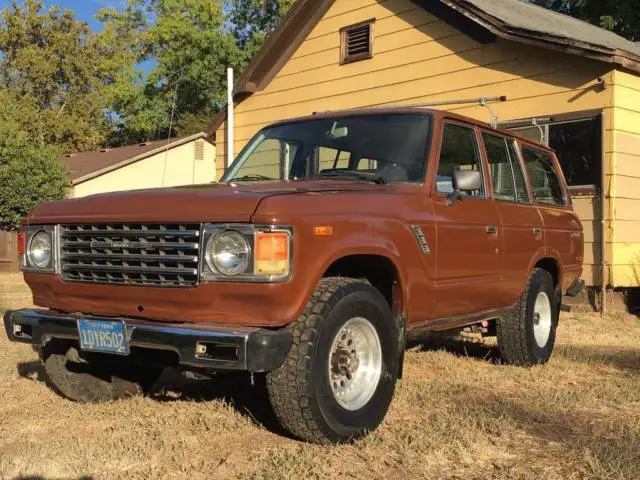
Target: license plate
105,337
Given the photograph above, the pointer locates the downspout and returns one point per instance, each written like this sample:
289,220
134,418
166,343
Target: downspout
230,118
603,221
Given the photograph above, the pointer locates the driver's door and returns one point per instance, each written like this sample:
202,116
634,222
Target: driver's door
468,264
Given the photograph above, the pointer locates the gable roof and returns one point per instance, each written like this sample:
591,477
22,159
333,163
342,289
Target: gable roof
515,20
87,165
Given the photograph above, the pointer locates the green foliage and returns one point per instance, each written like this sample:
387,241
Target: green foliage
60,72
253,20
619,16
29,173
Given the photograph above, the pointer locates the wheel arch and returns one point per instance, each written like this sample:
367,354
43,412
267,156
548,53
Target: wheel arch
380,270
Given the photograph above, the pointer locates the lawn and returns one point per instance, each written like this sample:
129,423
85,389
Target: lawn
457,414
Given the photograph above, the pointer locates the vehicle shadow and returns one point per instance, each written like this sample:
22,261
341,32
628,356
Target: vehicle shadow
246,394
456,345
248,397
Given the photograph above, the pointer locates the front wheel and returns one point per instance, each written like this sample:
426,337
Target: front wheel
527,333
339,377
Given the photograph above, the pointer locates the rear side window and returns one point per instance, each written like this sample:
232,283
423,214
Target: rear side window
546,185
459,152
506,172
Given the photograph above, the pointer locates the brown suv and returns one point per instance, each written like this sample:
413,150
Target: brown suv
330,241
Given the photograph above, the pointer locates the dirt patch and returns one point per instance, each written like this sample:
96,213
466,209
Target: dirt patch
457,414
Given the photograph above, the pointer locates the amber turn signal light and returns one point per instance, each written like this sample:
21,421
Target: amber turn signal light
22,243
323,231
272,253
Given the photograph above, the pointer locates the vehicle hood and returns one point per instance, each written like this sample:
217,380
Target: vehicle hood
190,204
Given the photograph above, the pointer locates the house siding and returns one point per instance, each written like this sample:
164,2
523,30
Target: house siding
624,130
182,168
419,58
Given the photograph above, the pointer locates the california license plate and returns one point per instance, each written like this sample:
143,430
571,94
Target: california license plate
104,337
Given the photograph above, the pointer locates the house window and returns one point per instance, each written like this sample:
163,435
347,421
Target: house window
356,42
578,145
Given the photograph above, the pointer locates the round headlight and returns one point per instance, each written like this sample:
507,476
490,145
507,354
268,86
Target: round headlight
228,253
40,250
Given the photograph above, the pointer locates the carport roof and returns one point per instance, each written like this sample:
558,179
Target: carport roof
84,166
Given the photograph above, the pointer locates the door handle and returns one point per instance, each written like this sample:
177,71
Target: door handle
492,230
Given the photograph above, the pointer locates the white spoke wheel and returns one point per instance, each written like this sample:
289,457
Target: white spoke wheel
542,320
355,364
339,377
527,333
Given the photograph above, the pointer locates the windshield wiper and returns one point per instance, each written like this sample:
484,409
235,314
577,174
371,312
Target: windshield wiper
252,178
351,174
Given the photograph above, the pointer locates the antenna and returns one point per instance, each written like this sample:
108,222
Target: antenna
173,111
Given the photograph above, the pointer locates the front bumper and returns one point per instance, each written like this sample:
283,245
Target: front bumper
216,347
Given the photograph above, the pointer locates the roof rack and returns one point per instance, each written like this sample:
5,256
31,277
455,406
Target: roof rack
482,101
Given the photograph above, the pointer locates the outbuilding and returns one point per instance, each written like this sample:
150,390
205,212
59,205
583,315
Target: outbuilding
569,84
160,163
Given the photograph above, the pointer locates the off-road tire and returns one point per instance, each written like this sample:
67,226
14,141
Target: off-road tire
79,380
299,390
515,330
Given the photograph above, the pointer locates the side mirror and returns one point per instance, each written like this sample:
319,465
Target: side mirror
465,181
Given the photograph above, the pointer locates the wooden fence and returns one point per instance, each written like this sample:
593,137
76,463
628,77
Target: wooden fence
9,252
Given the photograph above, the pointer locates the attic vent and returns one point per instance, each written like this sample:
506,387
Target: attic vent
357,42
199,150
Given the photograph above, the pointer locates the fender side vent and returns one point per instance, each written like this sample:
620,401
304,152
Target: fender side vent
422,240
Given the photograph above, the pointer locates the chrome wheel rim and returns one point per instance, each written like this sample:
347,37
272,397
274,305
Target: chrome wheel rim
355,364
542,319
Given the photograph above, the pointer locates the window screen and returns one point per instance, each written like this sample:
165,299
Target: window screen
459,151
544,180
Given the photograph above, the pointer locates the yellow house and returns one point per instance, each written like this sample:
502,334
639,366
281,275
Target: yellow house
569,84
161,163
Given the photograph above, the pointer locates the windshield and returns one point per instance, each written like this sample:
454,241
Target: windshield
387,148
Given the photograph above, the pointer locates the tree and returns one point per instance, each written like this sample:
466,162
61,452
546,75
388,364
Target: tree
253,20
619,16
29,173
65,73
192,47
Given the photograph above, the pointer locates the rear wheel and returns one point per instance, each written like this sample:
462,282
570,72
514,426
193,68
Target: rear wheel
527,334
92,380
339,377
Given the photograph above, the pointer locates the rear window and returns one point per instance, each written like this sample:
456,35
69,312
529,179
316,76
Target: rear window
545,181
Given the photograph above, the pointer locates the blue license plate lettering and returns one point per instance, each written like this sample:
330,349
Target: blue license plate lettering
103,336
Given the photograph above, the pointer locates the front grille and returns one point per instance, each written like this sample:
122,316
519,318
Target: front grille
162,255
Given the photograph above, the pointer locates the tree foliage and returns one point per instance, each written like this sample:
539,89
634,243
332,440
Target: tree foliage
58,71
619,16
29,173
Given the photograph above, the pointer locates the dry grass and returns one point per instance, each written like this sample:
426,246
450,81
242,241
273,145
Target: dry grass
457,414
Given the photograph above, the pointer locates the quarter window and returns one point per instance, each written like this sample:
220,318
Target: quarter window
546,185
506,171
459,151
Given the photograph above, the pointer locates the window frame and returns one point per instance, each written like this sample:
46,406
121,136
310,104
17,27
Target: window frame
566,198
345,58
509,141
487,190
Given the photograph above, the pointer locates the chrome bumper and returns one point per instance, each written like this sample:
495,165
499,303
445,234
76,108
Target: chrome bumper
216,347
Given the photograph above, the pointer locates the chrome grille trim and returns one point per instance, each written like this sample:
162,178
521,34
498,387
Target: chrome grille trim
157,255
